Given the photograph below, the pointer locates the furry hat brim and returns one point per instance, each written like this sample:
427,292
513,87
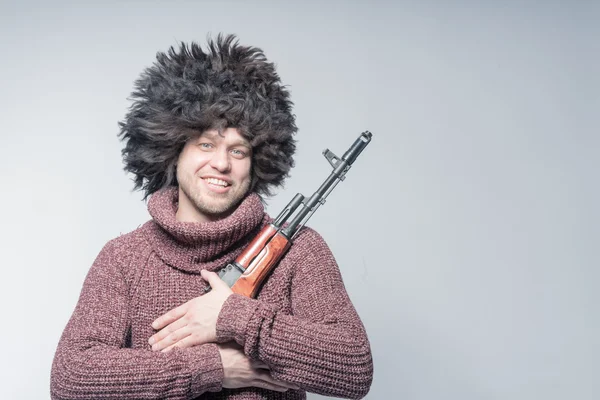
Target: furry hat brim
189,90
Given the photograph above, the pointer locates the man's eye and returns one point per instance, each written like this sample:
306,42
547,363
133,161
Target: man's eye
206,145
238,153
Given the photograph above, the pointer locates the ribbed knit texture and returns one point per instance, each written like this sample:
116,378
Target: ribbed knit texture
302,324
193,247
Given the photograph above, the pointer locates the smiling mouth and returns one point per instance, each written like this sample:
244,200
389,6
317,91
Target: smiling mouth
217,182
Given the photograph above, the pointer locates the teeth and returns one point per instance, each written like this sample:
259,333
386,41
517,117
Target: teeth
216,181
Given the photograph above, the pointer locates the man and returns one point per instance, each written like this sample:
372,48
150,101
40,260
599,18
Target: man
207,135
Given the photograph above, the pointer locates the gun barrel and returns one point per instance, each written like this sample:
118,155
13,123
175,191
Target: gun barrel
357,148
318,198
288,210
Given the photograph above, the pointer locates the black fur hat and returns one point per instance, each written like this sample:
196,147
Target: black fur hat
188,91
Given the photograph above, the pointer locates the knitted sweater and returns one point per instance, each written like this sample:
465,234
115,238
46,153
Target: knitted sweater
302,324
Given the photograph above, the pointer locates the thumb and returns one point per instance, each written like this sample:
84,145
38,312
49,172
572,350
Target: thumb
213,279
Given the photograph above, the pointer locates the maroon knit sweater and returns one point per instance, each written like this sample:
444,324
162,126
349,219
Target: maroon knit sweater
302,323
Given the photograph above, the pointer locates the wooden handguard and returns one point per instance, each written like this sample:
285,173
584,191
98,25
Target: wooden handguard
259,258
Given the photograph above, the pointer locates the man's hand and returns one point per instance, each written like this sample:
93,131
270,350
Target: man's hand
240,371
192,323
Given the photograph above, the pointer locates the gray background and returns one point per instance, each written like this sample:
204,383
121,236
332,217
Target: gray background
467,233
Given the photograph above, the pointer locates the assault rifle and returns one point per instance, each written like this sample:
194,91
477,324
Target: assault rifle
246,274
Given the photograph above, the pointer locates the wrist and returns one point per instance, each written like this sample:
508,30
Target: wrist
232,322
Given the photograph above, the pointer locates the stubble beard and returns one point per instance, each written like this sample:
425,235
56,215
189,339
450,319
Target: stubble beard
214,204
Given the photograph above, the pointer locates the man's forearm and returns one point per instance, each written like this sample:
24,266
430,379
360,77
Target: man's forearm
86,370
92,360
332,359
320,343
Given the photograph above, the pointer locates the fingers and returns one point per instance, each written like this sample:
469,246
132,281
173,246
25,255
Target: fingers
169,333
181,344
213,279
259,364
169,317
266,381
283,385
171,338
270,386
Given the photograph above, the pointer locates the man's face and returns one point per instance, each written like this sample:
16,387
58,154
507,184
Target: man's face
213,171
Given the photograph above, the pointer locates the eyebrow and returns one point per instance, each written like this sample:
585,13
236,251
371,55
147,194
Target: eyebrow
239,142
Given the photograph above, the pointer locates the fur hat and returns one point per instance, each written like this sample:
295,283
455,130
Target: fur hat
188,91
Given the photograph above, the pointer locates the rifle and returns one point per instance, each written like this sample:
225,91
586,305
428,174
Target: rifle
249,270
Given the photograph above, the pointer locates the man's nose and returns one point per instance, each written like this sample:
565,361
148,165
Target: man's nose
220,160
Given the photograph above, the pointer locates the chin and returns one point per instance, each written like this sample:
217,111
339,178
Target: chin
215,210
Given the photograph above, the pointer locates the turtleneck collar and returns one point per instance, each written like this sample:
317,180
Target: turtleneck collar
194,246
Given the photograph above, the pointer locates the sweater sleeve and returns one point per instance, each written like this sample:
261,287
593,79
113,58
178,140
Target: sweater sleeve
91,360
322,346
